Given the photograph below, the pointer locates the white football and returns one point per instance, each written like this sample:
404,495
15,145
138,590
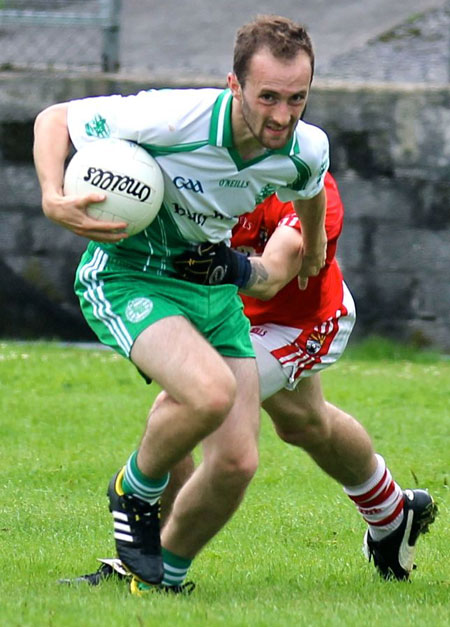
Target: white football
128,175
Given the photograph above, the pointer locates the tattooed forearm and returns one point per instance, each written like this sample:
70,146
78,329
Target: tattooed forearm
258,274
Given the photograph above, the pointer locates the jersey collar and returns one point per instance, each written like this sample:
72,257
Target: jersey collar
220,131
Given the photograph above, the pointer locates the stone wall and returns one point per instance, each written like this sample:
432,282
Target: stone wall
390,153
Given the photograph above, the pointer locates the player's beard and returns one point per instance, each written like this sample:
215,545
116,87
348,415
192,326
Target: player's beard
248,117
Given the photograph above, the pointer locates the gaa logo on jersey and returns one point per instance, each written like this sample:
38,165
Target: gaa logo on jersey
138,309
189,184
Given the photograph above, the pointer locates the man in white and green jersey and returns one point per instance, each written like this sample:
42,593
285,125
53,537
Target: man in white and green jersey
221,152
207,182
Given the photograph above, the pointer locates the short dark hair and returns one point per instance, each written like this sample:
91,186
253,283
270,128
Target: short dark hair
283,37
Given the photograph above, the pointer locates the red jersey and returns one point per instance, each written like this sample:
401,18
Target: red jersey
291,306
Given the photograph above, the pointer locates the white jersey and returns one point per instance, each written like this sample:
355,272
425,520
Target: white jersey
188,131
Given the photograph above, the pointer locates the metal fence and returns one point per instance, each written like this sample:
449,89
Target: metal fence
172,36
59,34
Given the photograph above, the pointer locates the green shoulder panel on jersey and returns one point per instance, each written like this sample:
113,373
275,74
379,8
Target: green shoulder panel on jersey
220,132
156,151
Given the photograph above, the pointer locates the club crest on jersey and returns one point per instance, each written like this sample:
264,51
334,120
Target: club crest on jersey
264,193
314,343
97,127
138,309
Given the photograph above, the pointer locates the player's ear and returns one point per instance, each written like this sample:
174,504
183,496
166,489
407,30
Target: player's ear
234,85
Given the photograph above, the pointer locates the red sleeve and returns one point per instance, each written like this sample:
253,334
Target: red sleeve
254,229
334,218
335,209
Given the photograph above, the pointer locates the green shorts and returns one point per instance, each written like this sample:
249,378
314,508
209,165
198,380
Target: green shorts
119,302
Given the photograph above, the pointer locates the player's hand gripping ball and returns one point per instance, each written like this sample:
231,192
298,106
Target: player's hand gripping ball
128,175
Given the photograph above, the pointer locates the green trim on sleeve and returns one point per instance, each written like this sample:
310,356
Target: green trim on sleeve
303,174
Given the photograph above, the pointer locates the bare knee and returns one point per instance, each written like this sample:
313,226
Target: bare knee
213,399
232,472
308,428
203,405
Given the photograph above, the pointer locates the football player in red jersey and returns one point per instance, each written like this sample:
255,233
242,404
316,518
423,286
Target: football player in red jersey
303,331
297,331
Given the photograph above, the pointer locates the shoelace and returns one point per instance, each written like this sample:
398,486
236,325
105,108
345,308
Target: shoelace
145,522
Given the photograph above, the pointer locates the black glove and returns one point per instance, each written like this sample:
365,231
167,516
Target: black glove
214,264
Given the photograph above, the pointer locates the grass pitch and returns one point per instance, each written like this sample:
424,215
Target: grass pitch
292,553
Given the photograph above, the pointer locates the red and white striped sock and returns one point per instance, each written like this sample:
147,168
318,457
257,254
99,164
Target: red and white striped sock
379,500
